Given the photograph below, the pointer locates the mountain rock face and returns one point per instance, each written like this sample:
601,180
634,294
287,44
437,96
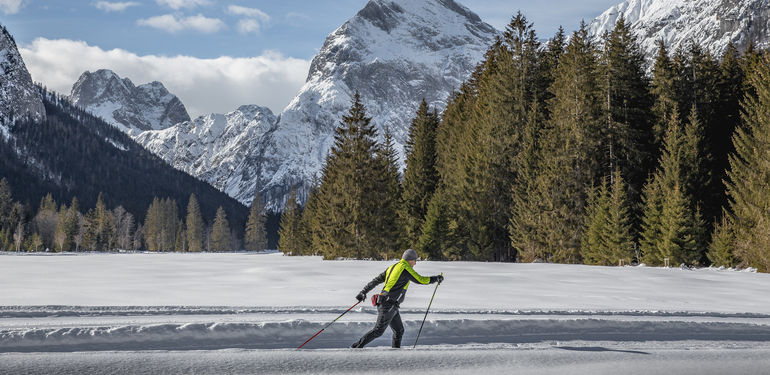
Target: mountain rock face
217,148
712,24
129,108
394,53
18,95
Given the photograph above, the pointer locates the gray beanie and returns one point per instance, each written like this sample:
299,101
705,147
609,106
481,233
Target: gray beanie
409,254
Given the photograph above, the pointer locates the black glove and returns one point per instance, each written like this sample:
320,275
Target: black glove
361,297
436,279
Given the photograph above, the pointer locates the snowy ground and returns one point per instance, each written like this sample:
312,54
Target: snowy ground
245,313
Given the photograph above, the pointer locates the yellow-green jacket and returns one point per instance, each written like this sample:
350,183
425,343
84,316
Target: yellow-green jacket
397,278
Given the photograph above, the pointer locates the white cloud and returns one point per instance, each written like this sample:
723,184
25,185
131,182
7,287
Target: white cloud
172,24
254,20
204,85
179,4
248,26
248,12
114,7
10,6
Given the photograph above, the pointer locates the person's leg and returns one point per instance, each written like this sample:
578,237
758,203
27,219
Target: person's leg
385,314
398,329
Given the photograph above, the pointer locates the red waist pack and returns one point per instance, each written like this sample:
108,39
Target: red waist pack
375,297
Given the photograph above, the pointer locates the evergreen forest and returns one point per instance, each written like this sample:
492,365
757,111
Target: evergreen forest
572,150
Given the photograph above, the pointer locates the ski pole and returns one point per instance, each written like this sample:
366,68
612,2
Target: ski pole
426,313
327,326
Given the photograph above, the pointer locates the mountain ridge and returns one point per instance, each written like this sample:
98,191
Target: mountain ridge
130,108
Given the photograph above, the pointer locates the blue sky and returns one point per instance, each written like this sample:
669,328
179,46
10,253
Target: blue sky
146,40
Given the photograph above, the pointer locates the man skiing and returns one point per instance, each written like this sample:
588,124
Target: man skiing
396,279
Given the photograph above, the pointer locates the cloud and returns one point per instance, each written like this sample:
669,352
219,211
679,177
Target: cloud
10,6
254,20
180,4
172,24
114,7
204,85
248,26
248,12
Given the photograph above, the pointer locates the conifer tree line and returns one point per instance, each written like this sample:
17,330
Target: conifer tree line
570,151
64,227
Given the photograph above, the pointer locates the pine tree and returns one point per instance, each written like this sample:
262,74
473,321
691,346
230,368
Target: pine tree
420,175
35,242
169,221
194,225
570,151
435,231
608,235
100,228
60,235
256,237
749,173
592,248
152,226
626,100
527,234
672,227
6,203
388,199
722,244
289,236
349,202
180,243
67,226
479,141
664,92
46,220
220,232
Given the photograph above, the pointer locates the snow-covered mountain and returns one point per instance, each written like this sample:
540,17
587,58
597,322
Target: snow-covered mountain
18,95
394,52
130,108
218,148
711,23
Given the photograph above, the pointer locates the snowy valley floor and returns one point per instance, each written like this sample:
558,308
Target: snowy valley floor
245,313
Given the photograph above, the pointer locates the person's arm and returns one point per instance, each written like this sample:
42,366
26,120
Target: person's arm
368,287
417,278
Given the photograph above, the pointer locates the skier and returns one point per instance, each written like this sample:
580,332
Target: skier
396,279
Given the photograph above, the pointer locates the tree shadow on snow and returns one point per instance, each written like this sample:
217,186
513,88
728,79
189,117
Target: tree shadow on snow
598,349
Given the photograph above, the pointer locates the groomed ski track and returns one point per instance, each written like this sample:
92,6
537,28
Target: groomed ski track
51,328
488,318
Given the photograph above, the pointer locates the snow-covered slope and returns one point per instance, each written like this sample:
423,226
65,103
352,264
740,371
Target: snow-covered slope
713,23
218,148
394,52
100,302
128,107
18,95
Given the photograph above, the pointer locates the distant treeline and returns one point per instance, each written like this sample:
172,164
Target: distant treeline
564,152
75,154
59,228
77,166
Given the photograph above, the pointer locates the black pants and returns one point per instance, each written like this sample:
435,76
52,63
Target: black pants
387,315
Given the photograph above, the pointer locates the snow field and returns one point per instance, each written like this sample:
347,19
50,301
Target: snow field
133,302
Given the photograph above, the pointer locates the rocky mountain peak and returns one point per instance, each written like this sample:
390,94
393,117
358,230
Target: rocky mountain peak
712,24
19,96
130,108
393,52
